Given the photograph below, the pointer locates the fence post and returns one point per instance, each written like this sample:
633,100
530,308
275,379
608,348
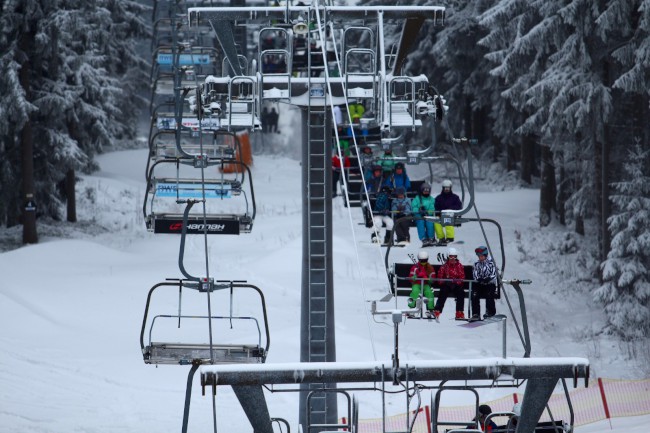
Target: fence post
602,395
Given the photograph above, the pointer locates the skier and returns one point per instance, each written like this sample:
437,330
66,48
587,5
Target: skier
273,121
387,162
399,178
446,200
400,208
423,205
452,273
356,110
336,169
381,215
367,161
375,180
421,274
374,183
485,273
483,411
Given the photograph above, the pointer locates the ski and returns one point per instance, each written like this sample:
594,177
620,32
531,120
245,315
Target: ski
429,317
440,244
385,245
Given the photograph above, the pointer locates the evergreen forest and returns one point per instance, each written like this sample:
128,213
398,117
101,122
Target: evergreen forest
557,93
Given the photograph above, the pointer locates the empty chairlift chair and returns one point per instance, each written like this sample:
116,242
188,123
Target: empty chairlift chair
180,337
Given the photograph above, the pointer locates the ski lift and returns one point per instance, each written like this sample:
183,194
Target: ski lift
196,332
164,194
171,193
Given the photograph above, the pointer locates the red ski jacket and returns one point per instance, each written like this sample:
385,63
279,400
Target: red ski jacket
421,272
452,271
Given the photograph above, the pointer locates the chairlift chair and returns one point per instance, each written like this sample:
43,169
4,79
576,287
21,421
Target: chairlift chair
250,350
165,194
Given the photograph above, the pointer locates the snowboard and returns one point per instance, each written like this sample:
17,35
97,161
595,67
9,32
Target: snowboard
476,323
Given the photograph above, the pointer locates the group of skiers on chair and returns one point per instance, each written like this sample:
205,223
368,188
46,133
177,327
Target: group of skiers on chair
392,204
450,278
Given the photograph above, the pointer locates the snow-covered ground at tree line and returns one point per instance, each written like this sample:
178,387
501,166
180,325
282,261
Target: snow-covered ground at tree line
71,306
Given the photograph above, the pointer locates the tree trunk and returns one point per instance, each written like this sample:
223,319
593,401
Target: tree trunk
645,112
603,175
496,148
70,196
527,158
27,146
511,157
70,180
467,118
562,195
547,191
605,208
479,122
580,225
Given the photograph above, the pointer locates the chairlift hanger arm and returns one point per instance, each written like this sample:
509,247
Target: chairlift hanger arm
181,253
409,34
266,322
174,283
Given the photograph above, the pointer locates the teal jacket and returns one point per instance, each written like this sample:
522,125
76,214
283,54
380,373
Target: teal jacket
423,206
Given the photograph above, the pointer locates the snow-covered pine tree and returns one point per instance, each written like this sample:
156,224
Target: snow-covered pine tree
625,293
95,71
571,103
518,60
454,62
81,58
632,20
15,110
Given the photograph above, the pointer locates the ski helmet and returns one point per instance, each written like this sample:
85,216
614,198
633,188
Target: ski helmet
425,187
399,165
400,191
484,409
423,255
446,183
452,252
376,168
481,251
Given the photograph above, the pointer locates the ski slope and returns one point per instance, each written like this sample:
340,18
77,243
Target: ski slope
71,306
